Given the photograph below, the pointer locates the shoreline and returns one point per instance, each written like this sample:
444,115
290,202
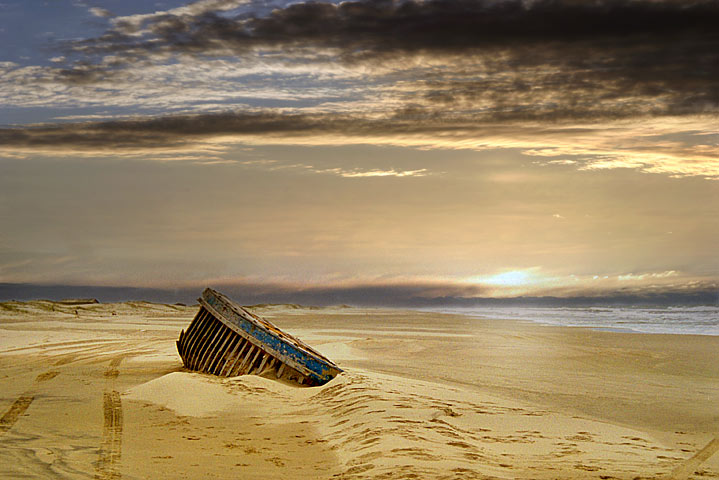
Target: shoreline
679,326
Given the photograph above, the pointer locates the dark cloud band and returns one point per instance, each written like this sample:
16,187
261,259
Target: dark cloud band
165,131
379,26
518,59
640,143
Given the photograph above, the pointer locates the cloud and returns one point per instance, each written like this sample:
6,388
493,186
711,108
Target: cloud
101,12
593,85
381,173
458,74
134,23
207,85
634,144
378,26
535,282
643,276
356,172
546,58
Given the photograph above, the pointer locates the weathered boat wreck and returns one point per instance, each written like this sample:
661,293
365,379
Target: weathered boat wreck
227,340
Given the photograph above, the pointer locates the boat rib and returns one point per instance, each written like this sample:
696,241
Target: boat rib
225,339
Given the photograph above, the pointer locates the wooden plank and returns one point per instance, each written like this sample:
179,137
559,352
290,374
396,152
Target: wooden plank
194,327
183,340
213,349
205,342
207,354
271,363
256,368
251,350
279,372
192,343
201,325
180,350
193,338
197,343
232,349
235,363
221,351
180,342
262,364
246,362
235,357
248,367
253,364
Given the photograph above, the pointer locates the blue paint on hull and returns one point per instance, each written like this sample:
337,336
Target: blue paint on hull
286,348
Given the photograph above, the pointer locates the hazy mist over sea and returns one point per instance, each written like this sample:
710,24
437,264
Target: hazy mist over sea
698,320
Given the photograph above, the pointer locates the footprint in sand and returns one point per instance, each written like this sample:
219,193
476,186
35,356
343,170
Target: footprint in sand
44,377
276,460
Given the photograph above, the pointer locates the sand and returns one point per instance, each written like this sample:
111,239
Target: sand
98,391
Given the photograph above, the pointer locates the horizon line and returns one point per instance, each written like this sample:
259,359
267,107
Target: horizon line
360,296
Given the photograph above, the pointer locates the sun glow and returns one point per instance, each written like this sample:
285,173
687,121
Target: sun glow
513,278
528,281
508,279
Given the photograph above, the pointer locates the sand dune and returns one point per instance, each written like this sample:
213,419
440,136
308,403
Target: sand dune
102,395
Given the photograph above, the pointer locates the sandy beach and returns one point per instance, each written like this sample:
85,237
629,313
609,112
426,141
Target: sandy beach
98,391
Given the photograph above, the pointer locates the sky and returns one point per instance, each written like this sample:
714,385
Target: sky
366,152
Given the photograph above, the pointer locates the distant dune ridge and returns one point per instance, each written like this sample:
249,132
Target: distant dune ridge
91,389
78,301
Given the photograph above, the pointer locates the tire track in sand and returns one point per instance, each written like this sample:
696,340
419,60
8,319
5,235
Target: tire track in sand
19,406
111,446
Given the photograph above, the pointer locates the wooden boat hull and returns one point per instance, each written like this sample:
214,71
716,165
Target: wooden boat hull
227,340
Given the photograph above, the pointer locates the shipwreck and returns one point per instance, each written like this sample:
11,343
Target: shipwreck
227,340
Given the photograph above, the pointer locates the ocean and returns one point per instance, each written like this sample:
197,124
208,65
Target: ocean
702,320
